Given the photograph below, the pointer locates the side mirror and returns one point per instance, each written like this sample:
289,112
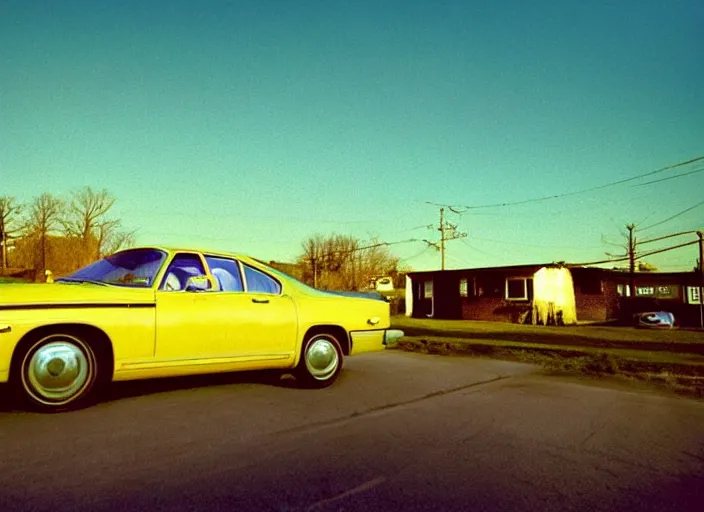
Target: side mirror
197,284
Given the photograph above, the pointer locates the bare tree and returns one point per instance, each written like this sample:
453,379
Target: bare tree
44,217
342,262
85,219
9,212
111,240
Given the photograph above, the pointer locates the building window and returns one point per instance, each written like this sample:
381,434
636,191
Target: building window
623,289
592,287
693,296
666,292
464,291
645,291
517,288
428,290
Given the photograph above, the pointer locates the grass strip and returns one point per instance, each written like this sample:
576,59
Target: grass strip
681,373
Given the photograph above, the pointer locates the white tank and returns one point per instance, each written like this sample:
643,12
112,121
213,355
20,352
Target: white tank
553,297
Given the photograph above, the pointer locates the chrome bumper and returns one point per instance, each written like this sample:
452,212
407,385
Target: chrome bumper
373,340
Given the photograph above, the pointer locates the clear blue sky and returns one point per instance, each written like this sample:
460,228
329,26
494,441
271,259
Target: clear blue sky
249,125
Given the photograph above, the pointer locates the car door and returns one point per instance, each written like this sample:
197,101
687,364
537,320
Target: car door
251,306
190,324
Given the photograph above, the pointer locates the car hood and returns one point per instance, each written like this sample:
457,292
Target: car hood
72,293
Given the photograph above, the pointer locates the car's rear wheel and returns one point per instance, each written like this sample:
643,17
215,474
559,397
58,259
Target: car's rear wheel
321,361
56,372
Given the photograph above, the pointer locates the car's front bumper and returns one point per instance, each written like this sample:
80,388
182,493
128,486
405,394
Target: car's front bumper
372,341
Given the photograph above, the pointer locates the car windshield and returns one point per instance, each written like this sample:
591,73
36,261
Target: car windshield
135,267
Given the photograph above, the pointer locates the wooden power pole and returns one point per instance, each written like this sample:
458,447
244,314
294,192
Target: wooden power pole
447,232
442,237
701,279
631,261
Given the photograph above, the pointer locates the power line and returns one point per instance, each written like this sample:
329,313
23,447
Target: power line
644,255
671,177
425,249
666,236
674,216
457,260
426,226
356,249
480,251
556,196
445,227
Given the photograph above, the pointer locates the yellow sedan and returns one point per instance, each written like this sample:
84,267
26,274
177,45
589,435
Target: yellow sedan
158,312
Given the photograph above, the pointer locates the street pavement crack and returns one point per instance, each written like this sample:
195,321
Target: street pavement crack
359,489
386,407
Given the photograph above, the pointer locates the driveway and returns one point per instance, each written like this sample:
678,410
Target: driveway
399,431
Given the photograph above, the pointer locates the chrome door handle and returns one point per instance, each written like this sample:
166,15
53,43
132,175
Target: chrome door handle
260,301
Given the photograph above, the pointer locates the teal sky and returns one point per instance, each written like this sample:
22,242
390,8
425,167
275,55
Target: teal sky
250,125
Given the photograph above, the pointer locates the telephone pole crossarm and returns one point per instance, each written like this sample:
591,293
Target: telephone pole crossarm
448,232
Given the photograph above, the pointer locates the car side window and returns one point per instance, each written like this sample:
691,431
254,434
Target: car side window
182,267
259,282
226,273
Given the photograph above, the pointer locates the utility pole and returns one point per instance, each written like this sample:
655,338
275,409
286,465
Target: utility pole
442,237
447,232
701,279
631,260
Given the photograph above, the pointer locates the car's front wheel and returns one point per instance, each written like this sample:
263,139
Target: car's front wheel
56,372
321,361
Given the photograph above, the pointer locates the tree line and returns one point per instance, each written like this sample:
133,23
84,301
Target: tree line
59,234
64,234
343,262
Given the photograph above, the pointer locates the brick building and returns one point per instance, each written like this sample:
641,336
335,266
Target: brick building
506,294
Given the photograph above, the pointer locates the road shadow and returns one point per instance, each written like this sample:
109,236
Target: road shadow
131,389
116,391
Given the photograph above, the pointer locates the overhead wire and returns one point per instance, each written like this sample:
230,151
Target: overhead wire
670,177
480,251
642,255
673,216
425,249
566,194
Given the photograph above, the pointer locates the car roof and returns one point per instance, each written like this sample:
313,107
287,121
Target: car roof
214,252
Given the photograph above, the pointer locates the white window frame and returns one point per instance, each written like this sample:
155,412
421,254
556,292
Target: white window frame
659,290
623,290
428,289
693,296
645,291
464,287
525,288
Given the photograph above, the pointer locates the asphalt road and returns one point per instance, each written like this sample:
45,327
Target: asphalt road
399,431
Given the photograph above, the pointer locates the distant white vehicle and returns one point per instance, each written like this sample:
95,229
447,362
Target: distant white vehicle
384,284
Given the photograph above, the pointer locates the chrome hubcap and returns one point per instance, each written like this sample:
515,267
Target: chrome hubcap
57,371
322,359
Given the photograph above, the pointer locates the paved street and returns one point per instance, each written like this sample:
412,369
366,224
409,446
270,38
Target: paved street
399,431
